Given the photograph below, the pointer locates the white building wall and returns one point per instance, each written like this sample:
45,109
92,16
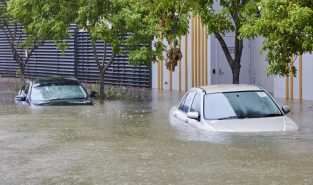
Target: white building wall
259,66
308,77
154,75
307,81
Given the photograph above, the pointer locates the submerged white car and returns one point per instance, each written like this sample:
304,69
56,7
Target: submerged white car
232,108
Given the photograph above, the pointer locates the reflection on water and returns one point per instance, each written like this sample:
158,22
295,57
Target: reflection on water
134,143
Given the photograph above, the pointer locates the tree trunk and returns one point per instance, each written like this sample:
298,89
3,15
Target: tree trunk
22,68
22,76
236,77
101,85
236,72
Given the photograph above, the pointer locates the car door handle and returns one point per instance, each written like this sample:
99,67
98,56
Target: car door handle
186,121
175,115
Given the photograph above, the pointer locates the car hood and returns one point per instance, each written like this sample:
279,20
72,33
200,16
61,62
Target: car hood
268,124
64,102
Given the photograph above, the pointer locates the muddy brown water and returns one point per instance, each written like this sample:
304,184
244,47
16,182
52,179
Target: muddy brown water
121,142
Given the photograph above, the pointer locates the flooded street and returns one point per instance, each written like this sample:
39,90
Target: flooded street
123,142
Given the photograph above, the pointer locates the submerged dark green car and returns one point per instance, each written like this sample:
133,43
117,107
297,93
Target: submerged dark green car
54,91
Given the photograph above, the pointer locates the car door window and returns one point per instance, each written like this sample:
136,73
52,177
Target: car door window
188,100
26,88
181,106
195,106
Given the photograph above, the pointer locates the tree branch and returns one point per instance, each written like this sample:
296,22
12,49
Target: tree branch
8,33
225,49
16,56
94,49
104,53
15,30
110,62
238,46
19,39
36,45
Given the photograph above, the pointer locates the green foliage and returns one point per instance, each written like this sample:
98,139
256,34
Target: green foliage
287,30
121,24
121,92
111,21
12,27
224,16
108,21
170,17
18,73
227,17
217,21
126,93
43,19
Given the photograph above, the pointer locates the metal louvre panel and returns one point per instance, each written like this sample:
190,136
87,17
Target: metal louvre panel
77,60
119,73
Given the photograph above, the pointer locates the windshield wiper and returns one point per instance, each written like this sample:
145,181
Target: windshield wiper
78,98
230,117
260,115
272,115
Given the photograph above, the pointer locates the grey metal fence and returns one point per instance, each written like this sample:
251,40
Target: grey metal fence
78,61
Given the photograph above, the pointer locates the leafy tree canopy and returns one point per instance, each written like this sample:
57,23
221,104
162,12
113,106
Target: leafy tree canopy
22,42
44,19
109,21
226,16
287,28
170,18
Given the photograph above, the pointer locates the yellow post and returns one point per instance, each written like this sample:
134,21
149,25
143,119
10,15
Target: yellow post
195,53
186,62
300,77
192,50
206,58
202,60
161,82
171,71
179,69
159,75
199,49
291,78
160,70
287,86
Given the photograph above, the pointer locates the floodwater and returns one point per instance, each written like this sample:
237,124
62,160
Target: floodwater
123,142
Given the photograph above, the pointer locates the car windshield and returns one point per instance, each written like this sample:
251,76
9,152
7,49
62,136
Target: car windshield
239,105
57,91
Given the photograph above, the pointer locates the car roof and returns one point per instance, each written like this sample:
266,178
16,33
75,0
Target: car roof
55,79
229,88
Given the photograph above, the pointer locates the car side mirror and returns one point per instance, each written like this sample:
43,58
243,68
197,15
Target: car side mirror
20,97
286,109
193,115
93,94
